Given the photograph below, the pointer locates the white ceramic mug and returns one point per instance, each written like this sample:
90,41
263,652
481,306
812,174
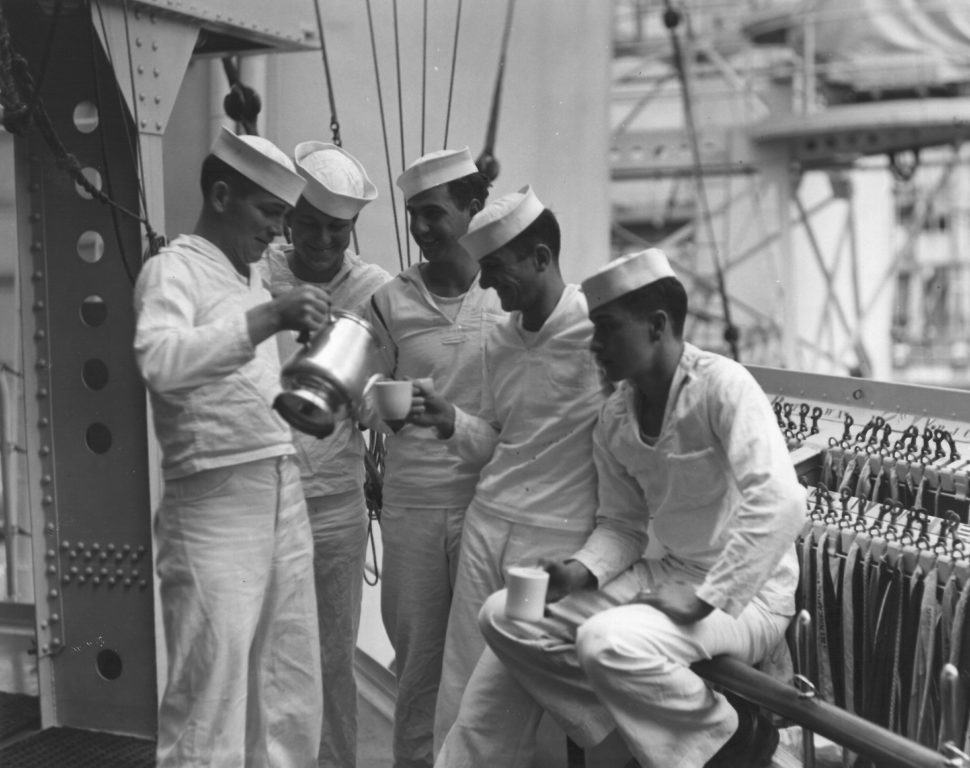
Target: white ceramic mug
393,399
526,595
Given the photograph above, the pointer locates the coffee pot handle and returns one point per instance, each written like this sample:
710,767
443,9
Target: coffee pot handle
305,336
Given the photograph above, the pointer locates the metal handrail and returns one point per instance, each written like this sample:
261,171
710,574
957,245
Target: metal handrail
851,731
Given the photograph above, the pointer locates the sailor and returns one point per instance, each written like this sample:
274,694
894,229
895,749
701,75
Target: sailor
431,320
536,495
234,546
688,442
332,469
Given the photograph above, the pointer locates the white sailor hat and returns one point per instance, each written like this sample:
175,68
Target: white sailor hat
435,168
336,183
500,221
262,162
626,274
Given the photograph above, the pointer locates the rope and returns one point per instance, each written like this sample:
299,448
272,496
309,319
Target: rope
373,495
400,114
672,19
387,152
451,79
486,162
334,123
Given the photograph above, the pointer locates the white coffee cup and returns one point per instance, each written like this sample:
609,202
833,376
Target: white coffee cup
393,398
526,594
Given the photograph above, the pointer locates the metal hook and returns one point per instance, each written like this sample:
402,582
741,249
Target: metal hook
816,415
847,421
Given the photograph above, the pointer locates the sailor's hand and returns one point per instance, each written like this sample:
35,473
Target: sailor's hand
679,601
429,409
303,309
566,577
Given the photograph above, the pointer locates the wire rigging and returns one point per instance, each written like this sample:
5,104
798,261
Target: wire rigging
451,78
23,109
134,108
424,71
155,241
334,122
400,114
102,142
387,151
672,19
487,162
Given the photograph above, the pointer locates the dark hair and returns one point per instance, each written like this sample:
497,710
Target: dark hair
474,186
667,293
545,229
214,169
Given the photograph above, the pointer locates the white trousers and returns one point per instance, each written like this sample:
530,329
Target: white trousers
489,545
628,669
236,573
420,565
339,525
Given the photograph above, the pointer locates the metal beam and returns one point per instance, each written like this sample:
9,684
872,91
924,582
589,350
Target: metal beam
86,428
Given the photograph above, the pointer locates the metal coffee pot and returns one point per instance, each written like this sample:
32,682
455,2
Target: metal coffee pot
325,381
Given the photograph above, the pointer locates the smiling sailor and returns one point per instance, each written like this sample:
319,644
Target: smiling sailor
534,434
430,321
234,545
332,469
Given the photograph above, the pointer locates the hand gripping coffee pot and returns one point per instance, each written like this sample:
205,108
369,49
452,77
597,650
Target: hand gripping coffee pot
325,381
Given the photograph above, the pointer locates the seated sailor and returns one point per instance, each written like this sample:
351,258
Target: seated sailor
687,444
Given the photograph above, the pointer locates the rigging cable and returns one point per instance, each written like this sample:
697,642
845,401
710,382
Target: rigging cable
451,79
486,162
99,102
155,241
19,117
387,152
150,234
334,123
424,72
134,103
671,20
400,117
